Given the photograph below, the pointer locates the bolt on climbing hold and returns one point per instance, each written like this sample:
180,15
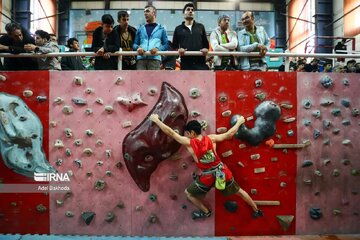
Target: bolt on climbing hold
153,197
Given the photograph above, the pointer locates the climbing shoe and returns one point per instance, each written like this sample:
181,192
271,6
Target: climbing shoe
257,213
200,214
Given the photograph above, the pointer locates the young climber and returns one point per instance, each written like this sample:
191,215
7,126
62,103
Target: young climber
214,172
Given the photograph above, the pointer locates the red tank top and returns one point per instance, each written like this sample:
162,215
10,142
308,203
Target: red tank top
204,151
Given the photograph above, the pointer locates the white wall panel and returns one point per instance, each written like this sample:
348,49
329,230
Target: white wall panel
88,5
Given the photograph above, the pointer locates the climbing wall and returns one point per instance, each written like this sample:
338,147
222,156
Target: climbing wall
18,211
121,207
328,170
310,189
243,92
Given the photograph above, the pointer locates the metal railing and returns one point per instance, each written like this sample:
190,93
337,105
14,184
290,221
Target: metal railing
286,55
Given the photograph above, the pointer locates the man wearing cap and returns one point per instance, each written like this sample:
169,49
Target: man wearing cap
191,36
223,39
253,39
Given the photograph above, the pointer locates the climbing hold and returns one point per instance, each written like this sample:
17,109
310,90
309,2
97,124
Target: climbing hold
346,82
108,153
326,124
260,96
316,133
336,212
226,113
231,206
41,208
223,97
274,159
89,132
110,216
306,103
345,161
59,202
78,81
89,174
259,170
355,172
119,164
99,184
346,142
152,91
336,172
109,109
120,205
87,217
69,214
290,133
307,163
289,119
119,81
267,113
67,109
99,101
241,146
204,124
316,113
138,208
194,93
27,93
152,218
126,124
78,142
58,162
41,98
315,213
241,164
255,156
89,90
326,161
355,112
306,122
336,131
68,132
258,83
227,153
286,105
58,100
318,173
345,102
326,81
99,163
58,143
283,184
194,114
153,197
79,101
346,122
326,102
108,173
241,95
253,191
336,112
88,111
78,163
68,152
132,102
285,221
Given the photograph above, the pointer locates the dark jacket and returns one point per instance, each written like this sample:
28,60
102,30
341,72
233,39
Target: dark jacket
193,40
110,44
72,63
18,64
128,62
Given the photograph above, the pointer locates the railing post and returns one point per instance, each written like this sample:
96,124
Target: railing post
287,62
120,60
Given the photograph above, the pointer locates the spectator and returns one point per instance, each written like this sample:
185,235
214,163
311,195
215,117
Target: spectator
191,36
253,39
13,42
75,62
350,66
106,41
168,62
45,46
150,37
53,38
328,67
127,36
340,48
225,40
357,66
315,65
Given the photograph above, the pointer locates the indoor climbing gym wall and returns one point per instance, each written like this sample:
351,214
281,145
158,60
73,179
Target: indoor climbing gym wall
296,154
328,171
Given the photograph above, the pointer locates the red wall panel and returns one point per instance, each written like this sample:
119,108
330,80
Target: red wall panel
278,87
18,212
